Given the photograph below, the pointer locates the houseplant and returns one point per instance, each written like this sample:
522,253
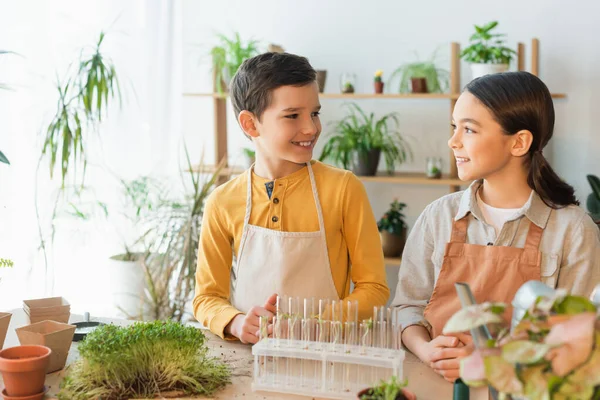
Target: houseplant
593,200
392,228
143,360
228,56
378,82
421,77
387,390
172,234
552,353
358,140
250,156
83,100
486,52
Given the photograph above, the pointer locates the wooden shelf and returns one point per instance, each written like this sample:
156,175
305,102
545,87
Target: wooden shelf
393,261
414,96
414,178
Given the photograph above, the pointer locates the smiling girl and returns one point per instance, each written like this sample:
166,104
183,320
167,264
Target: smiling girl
517,221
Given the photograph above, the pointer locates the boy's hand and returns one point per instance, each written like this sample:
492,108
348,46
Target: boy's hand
246,327
445,360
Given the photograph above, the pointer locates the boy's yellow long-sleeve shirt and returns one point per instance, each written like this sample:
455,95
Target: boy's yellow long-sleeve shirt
353,242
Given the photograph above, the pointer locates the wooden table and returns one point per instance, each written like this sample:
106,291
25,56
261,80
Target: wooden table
425,383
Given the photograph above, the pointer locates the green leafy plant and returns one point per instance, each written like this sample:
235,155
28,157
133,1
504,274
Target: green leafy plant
487,47
83,99
228,56
393,220
249,153
143,360
593,200
391,389
358,133
6,263
173,232
553,353
436,78
3,158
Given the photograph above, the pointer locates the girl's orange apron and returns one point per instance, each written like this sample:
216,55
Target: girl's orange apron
494,273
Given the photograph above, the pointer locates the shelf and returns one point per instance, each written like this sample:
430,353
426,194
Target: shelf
414,96
393,261
209,169
414,178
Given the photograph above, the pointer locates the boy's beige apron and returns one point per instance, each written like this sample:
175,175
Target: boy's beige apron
286,263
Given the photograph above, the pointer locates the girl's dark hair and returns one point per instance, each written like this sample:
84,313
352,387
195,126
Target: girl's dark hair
521,101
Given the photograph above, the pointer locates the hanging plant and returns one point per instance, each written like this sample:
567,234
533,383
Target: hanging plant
83,100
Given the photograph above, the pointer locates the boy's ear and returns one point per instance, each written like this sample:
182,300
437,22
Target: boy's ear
522,142
246,119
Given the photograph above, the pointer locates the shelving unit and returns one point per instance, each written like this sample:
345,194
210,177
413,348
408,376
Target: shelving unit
449,180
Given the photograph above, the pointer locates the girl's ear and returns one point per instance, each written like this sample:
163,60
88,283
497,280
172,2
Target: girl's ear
247,122
521,143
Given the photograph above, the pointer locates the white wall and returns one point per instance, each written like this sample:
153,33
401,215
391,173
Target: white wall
361,37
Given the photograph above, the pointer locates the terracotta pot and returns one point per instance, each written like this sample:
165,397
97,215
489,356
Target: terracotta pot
404,395
321,79
54,335
53,308
418,85
366,164
378,87
4,322
23,369
37,396
393,245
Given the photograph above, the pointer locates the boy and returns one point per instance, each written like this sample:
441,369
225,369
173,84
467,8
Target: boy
288,225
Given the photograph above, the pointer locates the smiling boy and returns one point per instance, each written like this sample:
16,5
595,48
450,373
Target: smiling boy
289,225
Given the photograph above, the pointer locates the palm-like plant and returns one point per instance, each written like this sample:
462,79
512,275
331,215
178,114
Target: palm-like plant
437,78
359,133
487,47
228,56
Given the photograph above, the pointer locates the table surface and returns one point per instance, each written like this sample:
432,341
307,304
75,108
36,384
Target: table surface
425,383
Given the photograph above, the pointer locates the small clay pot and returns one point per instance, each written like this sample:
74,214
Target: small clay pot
393,245
378,87
418,85
23,369
37,396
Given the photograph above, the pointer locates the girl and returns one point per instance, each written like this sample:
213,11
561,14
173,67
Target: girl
518,221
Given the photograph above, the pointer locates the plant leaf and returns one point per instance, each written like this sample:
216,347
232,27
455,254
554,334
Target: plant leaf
524,351
3,158
502,375
536,383
474,316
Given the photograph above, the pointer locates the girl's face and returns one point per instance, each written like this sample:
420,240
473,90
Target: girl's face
480,147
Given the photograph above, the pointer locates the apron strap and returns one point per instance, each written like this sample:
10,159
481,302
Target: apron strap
459,230
316,197
248,197
534,237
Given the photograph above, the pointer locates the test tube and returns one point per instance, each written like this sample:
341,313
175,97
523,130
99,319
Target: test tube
263,333
366,335
292,370
277,364
307,369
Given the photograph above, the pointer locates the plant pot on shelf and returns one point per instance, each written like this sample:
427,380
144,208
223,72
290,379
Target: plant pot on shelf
4,322
52,308
418,85
54,335
321,79
23,369
478,70
367,163
393,245
403,395
378,87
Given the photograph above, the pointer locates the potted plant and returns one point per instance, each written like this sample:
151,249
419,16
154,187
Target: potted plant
228,56
421,77
552,353
378,83
593,200
387,390
250,156
434,167
23,370
486,52
358,141
144,360
348,83
392,229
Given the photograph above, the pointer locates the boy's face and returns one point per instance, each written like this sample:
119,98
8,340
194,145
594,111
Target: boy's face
290,126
